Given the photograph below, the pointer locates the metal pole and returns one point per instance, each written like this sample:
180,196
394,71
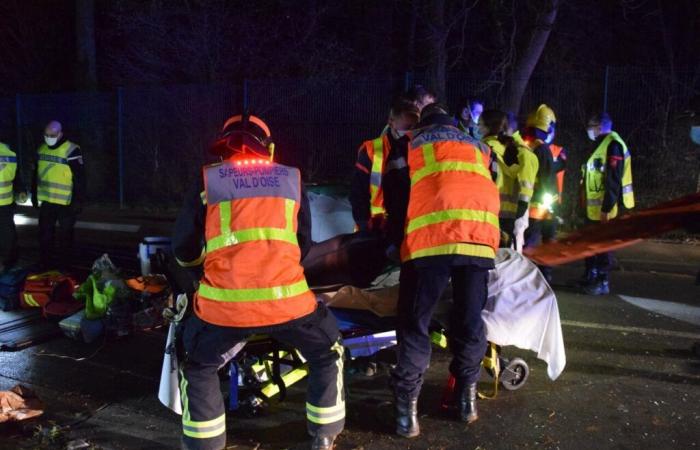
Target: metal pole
605,91
120,143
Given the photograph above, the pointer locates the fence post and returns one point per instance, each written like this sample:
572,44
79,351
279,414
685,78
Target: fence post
18,117
120,143
605,89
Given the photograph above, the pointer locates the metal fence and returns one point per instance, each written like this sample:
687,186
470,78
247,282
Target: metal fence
143,145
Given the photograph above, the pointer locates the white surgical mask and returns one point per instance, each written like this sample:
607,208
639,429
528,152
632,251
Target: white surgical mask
591,134
50,141
695,134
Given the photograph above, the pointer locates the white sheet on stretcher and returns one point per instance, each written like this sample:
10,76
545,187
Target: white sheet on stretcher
521,310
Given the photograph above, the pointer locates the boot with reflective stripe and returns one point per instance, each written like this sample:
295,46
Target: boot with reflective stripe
322,442
407,416
466,401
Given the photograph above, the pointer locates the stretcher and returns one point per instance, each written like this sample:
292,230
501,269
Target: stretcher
261,368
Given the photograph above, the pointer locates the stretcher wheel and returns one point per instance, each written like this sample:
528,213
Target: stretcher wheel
515,374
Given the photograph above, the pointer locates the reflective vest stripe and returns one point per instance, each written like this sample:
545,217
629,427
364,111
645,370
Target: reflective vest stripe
8,159
483,251
52,185
229,237
253,295
375,177
53,159
627,189
5,195
4,184
432,166
48,195
452,214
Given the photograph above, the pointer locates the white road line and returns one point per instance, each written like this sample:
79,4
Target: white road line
651,331
21,219
678,311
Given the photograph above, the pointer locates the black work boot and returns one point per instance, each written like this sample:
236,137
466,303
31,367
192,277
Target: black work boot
407,416
322,442
466,402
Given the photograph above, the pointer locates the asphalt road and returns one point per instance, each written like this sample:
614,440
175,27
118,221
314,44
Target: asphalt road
631,379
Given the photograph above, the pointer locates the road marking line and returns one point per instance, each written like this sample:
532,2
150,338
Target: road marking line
678,311
651,331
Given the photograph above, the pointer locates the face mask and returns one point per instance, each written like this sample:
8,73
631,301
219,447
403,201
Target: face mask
591,134
398,134
50,141
695,134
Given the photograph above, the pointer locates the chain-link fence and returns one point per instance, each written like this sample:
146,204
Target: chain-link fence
143,145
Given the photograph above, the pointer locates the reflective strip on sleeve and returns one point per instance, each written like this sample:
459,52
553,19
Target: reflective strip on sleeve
396,164
627,189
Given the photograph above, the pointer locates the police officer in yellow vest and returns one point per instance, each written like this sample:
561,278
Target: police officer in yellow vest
10,187
606,183
58,191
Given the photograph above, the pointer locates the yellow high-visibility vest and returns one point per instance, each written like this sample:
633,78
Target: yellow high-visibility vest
8,171
55,178
594,178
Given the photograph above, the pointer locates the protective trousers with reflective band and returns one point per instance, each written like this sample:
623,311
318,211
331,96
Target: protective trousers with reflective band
54,176
593,173
252,271
453,205
317,339
8,171
377,151
420,290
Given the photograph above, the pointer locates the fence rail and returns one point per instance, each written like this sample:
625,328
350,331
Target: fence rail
143,145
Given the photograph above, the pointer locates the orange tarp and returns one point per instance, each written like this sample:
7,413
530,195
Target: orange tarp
621,232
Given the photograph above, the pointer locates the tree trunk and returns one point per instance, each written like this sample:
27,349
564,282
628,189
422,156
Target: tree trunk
86,54
520,76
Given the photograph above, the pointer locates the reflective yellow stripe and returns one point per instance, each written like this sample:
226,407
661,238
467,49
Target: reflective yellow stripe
228,237
195,262
206,423
429,154
251,234
449,166
375,180
29,300
252,295
438,338
289,378
289,216
323,416
483,251
452,214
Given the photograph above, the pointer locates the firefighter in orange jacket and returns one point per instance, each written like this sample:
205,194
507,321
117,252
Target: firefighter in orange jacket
374,159
451,232
246,222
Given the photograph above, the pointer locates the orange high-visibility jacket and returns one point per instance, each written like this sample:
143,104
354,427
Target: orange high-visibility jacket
252,271
377,152
454,203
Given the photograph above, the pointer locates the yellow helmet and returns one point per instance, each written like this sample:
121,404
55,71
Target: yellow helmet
542,118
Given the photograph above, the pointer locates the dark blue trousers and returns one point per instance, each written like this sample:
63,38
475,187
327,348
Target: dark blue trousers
420,290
